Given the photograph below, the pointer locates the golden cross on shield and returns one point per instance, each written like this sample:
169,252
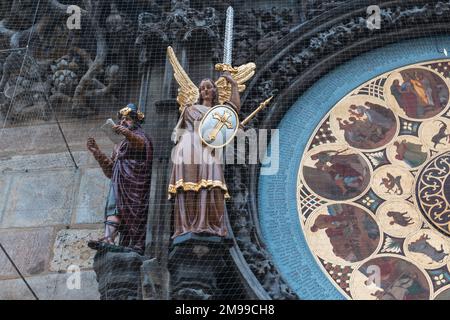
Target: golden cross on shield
222,120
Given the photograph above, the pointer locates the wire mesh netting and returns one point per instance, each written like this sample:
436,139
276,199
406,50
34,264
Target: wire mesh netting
114,180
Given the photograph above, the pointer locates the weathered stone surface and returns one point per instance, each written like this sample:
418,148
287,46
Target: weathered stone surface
48,139
30,250
155,281
195,270
92,197
40,199
51,287
48,161
4,188
119,275
71,248
35,162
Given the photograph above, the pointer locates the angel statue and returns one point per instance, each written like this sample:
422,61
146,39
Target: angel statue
197,182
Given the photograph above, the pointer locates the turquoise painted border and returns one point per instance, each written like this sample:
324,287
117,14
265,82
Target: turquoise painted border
278,215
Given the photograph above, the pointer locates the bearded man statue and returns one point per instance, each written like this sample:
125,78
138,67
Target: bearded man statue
129,169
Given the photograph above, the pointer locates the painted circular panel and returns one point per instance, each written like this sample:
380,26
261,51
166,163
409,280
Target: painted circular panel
435,134
398,218
390,278
443,295
373,187
336,172
392,182
343,234
363,122
417,93
428,248
408,152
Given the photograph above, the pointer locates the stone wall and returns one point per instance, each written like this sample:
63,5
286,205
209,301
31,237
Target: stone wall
48,209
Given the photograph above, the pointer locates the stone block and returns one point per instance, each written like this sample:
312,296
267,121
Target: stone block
47,161
40,199
51,287
92,195
119,275
29,249
5,181
71,248
47,138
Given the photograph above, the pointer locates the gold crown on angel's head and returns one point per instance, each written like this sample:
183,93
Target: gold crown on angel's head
131,110
188,92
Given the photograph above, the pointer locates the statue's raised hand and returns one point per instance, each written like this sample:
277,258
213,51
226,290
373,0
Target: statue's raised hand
92,145
229,78
120,129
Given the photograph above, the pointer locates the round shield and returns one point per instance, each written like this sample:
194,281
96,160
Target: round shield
219,126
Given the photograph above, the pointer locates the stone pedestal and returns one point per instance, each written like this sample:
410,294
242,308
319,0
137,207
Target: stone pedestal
155,280
196,266
118,275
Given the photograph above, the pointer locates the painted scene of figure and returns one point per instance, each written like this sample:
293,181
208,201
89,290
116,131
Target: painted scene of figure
389,278
408,152
419,93
336,174
364,124
344,232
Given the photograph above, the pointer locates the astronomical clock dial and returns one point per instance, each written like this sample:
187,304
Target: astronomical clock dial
381,188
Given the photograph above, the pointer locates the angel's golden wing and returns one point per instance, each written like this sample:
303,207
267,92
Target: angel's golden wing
188,91
244,73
